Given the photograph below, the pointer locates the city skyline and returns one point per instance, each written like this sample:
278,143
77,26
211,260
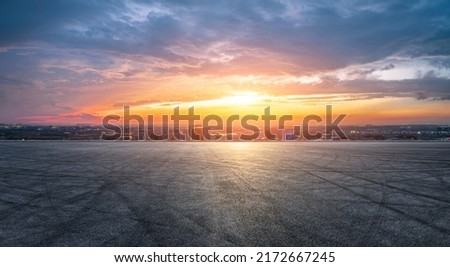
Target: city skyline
380,62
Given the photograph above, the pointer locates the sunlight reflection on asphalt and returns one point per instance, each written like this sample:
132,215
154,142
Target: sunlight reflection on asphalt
224,194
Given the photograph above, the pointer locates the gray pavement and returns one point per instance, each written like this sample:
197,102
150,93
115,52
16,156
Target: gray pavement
224,194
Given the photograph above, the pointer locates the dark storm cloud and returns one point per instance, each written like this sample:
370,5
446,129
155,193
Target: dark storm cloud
314,34
22,20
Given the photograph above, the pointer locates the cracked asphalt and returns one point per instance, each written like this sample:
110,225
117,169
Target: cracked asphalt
55,193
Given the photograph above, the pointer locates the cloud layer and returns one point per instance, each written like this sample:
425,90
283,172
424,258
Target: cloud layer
73,57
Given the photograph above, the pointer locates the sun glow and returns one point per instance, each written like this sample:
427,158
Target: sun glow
242,98
235,99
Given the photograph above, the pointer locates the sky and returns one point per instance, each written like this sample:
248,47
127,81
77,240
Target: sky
380,62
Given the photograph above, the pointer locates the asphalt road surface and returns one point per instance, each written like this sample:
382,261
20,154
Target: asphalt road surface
224,194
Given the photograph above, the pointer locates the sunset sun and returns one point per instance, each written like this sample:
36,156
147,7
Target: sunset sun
241,98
